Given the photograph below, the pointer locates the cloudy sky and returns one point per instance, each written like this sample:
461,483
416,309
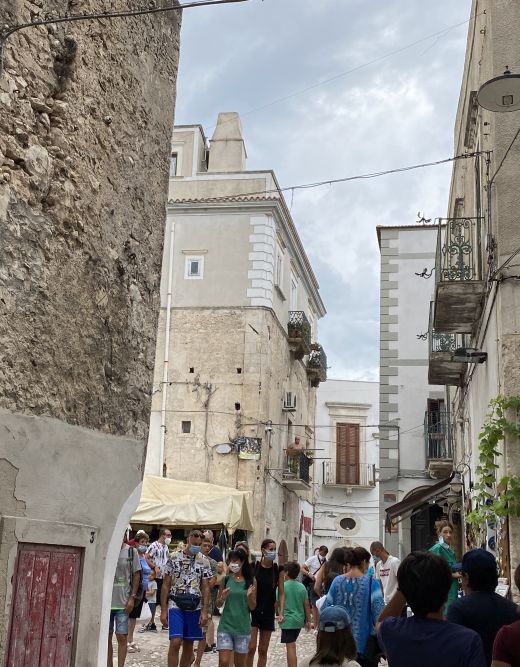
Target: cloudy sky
396,111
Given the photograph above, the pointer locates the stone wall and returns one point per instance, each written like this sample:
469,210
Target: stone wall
86,115
86,112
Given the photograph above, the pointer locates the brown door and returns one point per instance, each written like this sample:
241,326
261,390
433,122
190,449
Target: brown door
44,606
347,454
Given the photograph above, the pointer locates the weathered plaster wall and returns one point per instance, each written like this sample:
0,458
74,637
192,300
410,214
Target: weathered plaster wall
86,113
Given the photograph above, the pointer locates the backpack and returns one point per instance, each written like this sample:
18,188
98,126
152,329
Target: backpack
140,589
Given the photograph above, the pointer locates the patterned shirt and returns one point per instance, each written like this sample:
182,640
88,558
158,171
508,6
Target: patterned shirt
187,573
159,553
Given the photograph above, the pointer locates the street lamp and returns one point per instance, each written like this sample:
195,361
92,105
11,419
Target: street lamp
501,93
456,484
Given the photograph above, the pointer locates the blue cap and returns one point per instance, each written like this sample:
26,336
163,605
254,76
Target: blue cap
478,560
334,618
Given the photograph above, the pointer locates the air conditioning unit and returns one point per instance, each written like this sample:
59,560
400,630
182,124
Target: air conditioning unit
289,403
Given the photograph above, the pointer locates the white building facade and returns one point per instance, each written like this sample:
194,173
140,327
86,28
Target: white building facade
346,491
237,357
415,446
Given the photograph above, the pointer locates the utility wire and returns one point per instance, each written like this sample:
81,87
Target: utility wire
318,184
504,158
439,33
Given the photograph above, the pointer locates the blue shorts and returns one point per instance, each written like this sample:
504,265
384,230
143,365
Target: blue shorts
120,617
184,625
236,643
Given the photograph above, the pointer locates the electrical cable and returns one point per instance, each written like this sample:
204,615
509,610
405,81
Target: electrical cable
334,181
439,33
504,158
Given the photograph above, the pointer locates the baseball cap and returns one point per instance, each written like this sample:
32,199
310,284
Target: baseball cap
334,618
478,560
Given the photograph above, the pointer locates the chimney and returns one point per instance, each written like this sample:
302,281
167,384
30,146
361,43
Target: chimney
227,151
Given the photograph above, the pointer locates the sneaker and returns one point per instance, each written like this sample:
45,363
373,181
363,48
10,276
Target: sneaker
214,648
164,627
152,627
208,648
133,648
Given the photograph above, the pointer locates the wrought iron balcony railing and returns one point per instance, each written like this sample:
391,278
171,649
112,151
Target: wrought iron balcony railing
438,438
442,370
345,474
299,333
317,365
459,255
296,468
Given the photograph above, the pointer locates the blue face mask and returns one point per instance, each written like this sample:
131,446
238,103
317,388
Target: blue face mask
142,548
376,559
270,555
194,549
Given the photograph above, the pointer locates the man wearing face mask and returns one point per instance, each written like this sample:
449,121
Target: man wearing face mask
386,569
157,556
186,585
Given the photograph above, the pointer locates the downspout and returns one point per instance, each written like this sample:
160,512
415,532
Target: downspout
166,362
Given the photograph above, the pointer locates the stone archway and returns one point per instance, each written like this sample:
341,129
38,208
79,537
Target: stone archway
283,552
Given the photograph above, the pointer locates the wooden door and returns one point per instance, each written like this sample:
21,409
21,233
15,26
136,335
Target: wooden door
44,606
347,454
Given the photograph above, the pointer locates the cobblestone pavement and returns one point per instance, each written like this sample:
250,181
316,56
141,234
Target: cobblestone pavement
154,648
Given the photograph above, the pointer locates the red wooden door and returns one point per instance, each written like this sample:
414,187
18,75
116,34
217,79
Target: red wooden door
44,606
347,454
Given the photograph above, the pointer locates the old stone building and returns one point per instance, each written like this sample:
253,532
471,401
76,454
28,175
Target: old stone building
86,113
237,356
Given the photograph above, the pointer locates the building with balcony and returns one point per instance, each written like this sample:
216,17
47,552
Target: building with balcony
345,464
415,432
477,296
238,359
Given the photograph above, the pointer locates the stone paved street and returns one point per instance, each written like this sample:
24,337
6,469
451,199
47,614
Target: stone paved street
154,647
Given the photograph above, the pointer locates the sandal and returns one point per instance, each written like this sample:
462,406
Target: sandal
133,648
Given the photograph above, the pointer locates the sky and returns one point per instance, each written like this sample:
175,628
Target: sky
397,108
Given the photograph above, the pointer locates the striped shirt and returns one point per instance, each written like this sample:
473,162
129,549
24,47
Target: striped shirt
159,553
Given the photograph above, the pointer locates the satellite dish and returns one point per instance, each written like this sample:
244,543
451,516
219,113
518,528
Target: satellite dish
501,93
224,448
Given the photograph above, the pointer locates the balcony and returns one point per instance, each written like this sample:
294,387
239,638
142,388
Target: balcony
295,474
358,475
438,441
459,275
317,365
441,369
299,333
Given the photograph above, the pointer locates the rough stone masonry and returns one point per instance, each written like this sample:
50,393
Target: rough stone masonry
86,115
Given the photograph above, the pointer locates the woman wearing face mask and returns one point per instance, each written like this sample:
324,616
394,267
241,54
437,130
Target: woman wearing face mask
269,578
141,545
238,592
444,550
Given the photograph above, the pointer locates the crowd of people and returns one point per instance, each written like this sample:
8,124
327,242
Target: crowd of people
363,605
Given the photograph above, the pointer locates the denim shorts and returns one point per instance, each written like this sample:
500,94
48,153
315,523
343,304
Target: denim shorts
120,617
236,643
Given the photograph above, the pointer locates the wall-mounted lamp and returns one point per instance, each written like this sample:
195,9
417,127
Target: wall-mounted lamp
501,93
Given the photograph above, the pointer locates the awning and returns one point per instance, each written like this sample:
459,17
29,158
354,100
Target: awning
414,501
173,502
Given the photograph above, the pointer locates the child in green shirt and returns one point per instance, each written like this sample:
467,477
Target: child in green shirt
297,612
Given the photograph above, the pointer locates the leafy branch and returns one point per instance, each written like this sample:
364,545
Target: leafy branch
489,504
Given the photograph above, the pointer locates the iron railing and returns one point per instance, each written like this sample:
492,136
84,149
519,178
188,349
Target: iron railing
297,465
444,342
344,474
438,438
459,255
317,365
299,327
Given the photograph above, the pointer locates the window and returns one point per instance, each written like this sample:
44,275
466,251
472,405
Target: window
186,427
348,523
278,275
194,268
173,165
347,454
284,510
294,293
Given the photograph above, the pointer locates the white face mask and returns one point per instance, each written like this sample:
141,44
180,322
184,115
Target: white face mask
234,567
167,540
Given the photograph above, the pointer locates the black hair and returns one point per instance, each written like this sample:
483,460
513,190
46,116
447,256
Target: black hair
336,563
292,569
324,548
327,581
267,542
332,648
425,580
517,577
357,556
247,572
483,580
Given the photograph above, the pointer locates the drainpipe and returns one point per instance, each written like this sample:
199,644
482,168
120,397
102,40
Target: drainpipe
166,362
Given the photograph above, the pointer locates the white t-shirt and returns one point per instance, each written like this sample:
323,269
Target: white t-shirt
314,563
346,663
151,593
387,573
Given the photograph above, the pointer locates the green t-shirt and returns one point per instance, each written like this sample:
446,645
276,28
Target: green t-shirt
449,555
236,617
294,612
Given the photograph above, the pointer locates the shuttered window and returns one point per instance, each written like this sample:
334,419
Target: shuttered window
347,453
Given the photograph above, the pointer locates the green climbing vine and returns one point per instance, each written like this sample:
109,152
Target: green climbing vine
488,503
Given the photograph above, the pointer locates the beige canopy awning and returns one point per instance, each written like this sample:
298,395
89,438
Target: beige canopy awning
175,502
